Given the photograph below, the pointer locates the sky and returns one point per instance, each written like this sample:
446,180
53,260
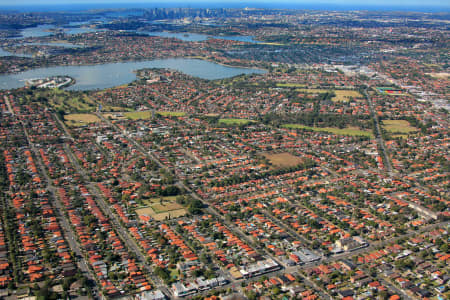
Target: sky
238,3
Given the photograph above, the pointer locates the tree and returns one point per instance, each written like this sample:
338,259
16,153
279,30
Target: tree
383,295
163,273
251,295
276,291
61,113
195,207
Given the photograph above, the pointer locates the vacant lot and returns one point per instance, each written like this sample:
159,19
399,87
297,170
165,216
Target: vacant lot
162,208
353,131
234,121
283,160
398,126
80,119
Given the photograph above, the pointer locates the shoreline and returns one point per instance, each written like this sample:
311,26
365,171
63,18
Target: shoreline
131,61
223,64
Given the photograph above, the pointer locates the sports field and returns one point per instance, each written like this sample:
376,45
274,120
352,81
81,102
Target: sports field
341,95
80,119
298,85
235,121
283,159
352,131
162,208
398,126
390,91
142,115
345,95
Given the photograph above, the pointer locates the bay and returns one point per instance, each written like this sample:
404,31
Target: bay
103,76
196,37
7,53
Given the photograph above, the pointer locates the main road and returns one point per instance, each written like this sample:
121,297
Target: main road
67,229
379,137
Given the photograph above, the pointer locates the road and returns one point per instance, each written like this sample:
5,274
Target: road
71,237
381,244
379,138
311,283
105,207
285,227
387,284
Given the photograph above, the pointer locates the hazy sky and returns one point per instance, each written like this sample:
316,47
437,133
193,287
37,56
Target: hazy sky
405,3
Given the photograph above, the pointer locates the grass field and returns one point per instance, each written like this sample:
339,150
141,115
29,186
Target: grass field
272,44
148,211
341,95
125,85
171,113
108,108
80,119
160,210
235,121
352,131
398,126
153,201
313,91
138,115
68,101
114,116
283,159
173,273
142,115
297,85
403,136
345,95
442,75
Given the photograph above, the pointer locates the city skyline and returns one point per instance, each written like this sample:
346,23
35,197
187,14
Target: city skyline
228,3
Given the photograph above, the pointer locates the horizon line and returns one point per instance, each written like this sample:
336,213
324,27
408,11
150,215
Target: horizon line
263,4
